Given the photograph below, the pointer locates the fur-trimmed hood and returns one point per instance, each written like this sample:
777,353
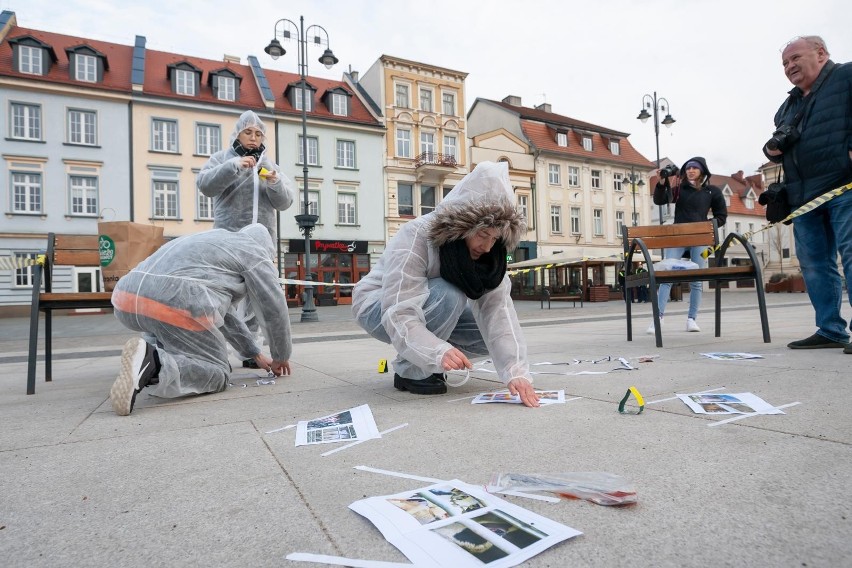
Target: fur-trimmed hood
483,199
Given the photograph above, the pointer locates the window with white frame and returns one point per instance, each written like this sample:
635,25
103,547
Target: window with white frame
346,154
427,199
226,88
309,100
562,139
82,127
749,202
427,144
587,143
30,60
449,103
575,221
24,276
165,199
313,150
26,193
635,216
185,82
615,147
597,219
405,199
84,195
426,100
523,205
574,176
403,143
164,135
556,219
339,104
208,139
204,205
346,208
402,96
553,174
737,227
618,182
751,228
85,68
619,223
26,121
313,203
596,179
450,146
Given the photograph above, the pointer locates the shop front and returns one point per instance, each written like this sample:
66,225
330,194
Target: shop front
331,263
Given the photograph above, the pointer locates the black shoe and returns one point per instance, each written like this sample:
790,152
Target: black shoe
816,341
848,349
140,367
250,364
433,384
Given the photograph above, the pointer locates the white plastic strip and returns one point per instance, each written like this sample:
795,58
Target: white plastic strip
741,416
287,427
398,474
356,442
678,398
341,561
314,282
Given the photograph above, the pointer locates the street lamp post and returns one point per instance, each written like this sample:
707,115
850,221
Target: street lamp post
635,180
658,105
306,221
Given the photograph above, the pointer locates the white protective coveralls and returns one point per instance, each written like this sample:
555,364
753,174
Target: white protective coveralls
399,285
185,294
240,196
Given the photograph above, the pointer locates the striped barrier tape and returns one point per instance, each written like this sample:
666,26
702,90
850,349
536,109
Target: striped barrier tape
18,262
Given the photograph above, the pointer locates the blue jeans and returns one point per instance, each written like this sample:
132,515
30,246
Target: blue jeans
820,235
447,315
695,288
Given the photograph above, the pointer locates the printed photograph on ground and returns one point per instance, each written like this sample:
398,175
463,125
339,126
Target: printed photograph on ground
545,397
421,509
728,403
483,550
509,528
347,425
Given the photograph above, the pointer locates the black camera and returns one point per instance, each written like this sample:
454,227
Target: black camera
775,201
669,171
783,138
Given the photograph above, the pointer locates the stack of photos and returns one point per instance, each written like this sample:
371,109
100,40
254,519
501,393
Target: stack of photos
346,426
460,525
546,397
740,403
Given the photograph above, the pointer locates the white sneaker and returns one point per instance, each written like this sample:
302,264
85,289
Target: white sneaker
691,325
650,330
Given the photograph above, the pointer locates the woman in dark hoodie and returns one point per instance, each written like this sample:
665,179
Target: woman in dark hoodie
694,198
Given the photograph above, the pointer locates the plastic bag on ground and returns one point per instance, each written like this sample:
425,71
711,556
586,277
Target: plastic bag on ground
598,487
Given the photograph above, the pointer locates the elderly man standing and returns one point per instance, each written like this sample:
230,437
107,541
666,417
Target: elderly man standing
813,141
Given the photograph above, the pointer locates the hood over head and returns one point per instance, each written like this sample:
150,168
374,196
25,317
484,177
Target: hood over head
483,199
260,234
248,118
702,164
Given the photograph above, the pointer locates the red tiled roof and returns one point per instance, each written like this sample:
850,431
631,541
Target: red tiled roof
527,113
119,58
543,137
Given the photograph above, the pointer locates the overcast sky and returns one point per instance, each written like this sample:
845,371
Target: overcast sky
718,63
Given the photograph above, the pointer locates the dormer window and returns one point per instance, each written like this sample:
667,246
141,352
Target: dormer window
31,56
614,147
562,139
338,101
86,64
587,143
294,95
225,84
185,78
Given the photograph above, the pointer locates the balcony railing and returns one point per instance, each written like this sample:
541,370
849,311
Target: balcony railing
435,159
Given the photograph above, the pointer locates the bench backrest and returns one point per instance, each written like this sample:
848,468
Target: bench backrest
702,233
70,250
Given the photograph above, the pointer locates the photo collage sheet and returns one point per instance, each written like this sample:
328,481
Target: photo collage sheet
456,524
740,403
349,425
546,397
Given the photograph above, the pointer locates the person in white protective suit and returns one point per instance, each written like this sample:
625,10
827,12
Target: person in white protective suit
440,292
184,298
246,187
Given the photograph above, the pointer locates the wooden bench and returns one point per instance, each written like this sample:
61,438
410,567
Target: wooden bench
62,250
704,233
548,297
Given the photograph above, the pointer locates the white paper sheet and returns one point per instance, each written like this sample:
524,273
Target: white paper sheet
732,356
723,403
547,397
460,525
355,424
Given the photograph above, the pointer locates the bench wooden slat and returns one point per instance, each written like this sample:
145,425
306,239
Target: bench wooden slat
76,242
72,296
63,257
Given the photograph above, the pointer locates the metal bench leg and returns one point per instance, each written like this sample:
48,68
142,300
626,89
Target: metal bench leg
33,351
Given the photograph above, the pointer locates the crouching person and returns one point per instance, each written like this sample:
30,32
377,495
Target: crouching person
440,293
183,297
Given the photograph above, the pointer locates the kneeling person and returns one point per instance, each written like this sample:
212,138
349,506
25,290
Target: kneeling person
184,298
440,293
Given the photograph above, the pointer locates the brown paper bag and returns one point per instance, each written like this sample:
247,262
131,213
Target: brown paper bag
123,245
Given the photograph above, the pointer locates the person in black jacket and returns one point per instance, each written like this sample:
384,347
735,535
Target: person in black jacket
694,198
813,141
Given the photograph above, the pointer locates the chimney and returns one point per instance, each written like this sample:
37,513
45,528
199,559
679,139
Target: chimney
512,100
544,107
354,75
738,176
231,59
